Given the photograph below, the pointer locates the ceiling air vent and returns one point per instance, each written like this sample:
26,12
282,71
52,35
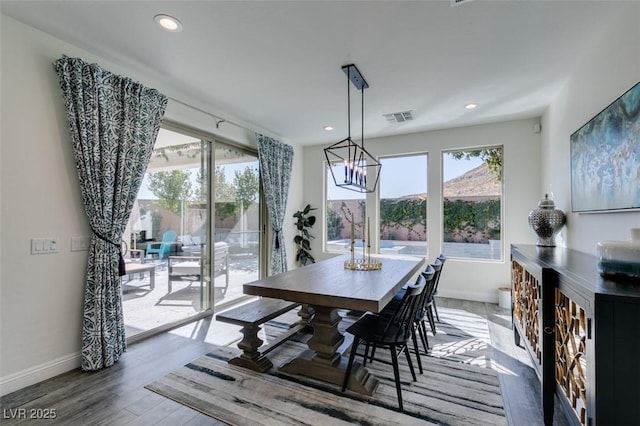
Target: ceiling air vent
457,2
399,117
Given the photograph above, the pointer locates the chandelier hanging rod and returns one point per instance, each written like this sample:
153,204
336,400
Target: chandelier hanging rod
352,166
355,77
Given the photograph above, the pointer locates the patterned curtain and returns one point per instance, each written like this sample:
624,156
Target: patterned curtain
275,170
114,123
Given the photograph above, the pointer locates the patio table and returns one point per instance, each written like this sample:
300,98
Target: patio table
134,268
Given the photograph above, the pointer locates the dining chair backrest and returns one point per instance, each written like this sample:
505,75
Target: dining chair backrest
442,258
428,275
169,236
437,267
401,323
164,247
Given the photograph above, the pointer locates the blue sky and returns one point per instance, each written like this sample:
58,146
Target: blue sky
409,177
402,176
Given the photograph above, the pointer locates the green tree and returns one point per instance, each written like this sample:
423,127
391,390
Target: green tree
224,190
225,195
491,156
246,186
334,223
172,188
200,192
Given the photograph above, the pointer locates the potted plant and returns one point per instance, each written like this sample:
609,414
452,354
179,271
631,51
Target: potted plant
302,240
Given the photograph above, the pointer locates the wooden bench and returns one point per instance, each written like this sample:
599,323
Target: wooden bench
250,316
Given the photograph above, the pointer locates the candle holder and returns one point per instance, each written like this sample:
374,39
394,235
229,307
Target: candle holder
366,263
363,265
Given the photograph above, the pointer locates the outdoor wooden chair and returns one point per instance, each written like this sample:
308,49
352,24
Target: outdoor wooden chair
164,247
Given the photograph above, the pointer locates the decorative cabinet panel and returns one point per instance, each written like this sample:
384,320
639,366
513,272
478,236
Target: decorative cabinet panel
571,353
582,333
526,308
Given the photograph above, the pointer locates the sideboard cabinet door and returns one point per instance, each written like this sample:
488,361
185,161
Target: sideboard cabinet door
582,332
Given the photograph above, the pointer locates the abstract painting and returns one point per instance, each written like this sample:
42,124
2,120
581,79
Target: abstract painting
605,158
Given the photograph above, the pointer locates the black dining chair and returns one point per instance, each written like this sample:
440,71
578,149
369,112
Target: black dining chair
442,258
425,313
391,332
428,276
430,298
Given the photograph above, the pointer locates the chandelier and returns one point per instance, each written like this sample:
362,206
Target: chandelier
352,167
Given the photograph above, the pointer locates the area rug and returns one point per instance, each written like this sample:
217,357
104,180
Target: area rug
458,386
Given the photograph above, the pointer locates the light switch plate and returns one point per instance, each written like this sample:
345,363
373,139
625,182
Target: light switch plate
80,243
44,245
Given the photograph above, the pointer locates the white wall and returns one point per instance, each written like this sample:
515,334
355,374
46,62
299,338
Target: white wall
41,296
464,279
607,70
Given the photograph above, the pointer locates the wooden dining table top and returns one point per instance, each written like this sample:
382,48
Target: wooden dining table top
328,283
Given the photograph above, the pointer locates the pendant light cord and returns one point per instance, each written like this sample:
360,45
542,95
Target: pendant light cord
349,101
362,119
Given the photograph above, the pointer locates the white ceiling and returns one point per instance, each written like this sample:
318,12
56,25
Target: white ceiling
277,64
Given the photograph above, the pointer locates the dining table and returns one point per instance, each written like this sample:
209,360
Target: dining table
327,287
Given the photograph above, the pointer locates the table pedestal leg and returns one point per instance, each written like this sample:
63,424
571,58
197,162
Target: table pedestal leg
322,360
306,313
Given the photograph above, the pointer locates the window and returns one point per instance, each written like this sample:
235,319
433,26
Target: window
403,205
342,205
472,203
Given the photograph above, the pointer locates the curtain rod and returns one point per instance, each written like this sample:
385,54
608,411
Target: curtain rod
219,120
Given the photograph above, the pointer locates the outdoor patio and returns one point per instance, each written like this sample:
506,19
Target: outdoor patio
145,308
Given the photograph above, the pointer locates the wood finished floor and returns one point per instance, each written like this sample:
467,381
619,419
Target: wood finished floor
116,395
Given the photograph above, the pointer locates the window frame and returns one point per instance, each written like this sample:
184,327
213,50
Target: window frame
501,243
378,199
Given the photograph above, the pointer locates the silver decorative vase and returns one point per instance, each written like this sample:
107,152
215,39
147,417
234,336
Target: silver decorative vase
546,221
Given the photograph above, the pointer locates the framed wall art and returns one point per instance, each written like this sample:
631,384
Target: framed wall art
605,158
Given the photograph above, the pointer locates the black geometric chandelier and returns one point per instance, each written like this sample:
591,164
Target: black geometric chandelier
352,167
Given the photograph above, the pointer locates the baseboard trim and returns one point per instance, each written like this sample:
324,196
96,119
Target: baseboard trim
33,375
469,295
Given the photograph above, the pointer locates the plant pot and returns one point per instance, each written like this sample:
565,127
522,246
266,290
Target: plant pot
504,297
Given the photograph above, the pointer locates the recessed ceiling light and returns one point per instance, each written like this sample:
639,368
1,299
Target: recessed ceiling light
168,23
471,106
328,128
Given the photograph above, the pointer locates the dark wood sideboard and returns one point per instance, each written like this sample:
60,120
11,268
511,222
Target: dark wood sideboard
582,332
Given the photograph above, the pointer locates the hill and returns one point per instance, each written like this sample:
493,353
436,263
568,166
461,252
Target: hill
476,184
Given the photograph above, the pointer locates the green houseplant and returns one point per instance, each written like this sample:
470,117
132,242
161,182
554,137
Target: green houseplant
302,240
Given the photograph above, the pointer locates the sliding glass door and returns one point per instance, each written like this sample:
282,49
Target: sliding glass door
237,223
167,240
195,233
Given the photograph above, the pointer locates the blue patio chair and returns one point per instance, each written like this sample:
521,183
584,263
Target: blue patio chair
164,247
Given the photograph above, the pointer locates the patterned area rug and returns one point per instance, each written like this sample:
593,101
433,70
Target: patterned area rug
459,385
